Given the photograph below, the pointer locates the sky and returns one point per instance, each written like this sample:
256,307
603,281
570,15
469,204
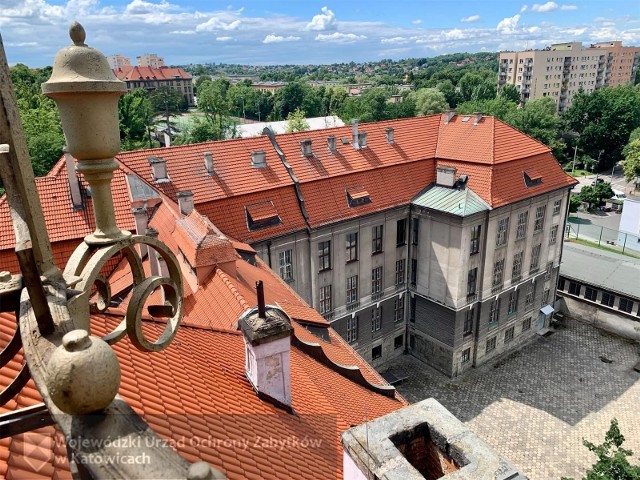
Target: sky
266,32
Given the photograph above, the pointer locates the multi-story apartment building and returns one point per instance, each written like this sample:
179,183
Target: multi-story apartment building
439,235
151,78
150,60
118,61
561,70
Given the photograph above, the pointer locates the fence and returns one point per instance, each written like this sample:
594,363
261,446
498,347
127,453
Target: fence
579,229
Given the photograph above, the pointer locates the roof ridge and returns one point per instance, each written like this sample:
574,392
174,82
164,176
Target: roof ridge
232,288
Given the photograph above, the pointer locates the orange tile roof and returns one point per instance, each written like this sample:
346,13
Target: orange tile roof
130,72
201,242
63,222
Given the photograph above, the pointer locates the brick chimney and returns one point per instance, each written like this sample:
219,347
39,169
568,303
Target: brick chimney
74,183
267,337
389,135
185,202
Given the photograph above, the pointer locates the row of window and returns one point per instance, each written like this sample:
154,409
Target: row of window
492,341
376,320
398,342
607,299
512,306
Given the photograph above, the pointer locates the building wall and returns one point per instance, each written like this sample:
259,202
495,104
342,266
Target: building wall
184,86
150,60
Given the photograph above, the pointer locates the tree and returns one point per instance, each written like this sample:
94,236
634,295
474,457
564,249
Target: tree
136,117
538,119
510,92
594,195
213,102
451,94
484,91
604,119
429,101
468,84
296,121
498,107
166,101
631,162
613,462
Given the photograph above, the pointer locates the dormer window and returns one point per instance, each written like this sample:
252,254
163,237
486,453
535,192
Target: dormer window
532,180
262,215
357,196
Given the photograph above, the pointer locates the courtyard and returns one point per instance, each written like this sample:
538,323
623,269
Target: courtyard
535,406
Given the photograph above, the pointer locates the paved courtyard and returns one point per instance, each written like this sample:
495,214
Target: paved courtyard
536,405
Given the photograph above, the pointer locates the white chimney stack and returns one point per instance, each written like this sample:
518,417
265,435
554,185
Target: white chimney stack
185,202
267,338
445,176
158,169
208,163
74,183
142,222
389,135
354,134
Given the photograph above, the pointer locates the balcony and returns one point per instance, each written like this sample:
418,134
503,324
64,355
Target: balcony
353,306
472,297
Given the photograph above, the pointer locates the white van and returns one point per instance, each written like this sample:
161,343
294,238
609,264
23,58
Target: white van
618,194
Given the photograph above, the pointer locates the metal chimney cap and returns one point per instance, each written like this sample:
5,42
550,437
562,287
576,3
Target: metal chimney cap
79,68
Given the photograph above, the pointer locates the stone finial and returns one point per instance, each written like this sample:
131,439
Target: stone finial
83,374
77,34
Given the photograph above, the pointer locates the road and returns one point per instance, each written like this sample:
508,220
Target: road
617,180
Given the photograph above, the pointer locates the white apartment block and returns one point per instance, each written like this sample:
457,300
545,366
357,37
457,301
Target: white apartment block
150,60
561,70
118,61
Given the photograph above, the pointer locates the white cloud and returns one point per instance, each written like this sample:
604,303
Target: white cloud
509,24
22,44
183,32
524,8
338,37
470,19
568,7
395,40
455,34
215,23
544,7
323,21
223,39
140,7
417,21
271,38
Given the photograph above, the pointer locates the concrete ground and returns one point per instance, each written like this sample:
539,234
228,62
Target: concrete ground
536,405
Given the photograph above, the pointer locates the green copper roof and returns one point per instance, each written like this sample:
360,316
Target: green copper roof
461,202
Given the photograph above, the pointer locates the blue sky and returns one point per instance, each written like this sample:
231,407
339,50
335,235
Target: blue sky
306,31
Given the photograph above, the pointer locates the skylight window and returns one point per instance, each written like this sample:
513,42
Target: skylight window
532,180
357,196
262,215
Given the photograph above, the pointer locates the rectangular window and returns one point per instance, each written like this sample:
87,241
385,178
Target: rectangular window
475,239
521,229
545,297
491,344
376,352
516,269
466,355
352,329
398,309
352,247
591,294
412,310
468,322
494,311
325,299
539,223
508,334
526,324
535,259
531,293
400,264
501,235
376,318
625,304
416,231
554,235
401,232
556,207
324,255
285,265
414,271
498,273
472,279
376,242
398,341
549,269
513,302
352,289
574,288
376,280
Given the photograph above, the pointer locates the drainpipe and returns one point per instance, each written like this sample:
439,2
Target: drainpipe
479,287
269,252
407,281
